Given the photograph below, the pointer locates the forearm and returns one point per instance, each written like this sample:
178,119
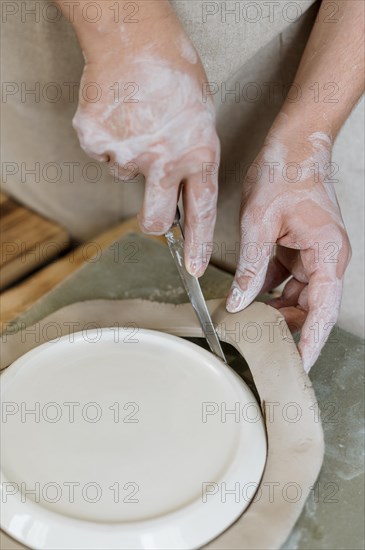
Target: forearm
330,78
101,26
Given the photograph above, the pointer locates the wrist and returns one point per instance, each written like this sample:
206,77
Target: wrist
310,109
297,125
301,149
112,26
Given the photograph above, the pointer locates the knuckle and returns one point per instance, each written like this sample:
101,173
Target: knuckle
245,272
204,217
82,125
203,160
124,172
155,228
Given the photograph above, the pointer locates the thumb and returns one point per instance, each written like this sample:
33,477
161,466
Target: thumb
255,249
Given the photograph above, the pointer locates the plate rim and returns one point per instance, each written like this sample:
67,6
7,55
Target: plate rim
111,532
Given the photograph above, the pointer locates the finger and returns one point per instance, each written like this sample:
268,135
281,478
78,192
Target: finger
290,294
125,172
276,274
159,207
324,299
322,296
200,209
255,249
295,317
286,262
86,131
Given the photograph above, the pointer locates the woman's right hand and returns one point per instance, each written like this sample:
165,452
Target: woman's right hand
142,109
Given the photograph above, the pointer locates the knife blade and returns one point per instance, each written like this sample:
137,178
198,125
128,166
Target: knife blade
175,241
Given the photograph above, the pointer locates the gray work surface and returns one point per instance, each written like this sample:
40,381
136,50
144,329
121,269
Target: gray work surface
137,267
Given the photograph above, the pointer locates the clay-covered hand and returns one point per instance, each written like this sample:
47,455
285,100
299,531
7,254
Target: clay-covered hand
151,118
290,206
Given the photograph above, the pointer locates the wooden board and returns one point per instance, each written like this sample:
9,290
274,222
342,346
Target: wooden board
28,241
21,297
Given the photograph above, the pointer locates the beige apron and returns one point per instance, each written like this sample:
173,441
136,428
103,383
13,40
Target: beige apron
250,50
42,64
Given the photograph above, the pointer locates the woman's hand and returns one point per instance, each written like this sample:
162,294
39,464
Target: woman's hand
141,109
290,202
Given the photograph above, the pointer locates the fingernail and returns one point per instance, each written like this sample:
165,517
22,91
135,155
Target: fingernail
306,365
308,362
235,300
152,227
195,267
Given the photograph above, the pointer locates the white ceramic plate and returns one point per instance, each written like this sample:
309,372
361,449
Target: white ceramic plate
125,438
